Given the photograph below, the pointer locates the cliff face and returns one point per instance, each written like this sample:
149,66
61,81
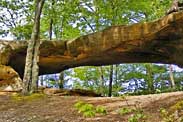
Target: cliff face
159,41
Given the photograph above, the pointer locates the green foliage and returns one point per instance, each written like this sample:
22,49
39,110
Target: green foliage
89,113
13,18
31,97
89,78
137,117
178,106
178,109
78,104
101,110
116,88
72,18
174,114
88,110
125,110
52,81
22,32
166,116
136,114
86,107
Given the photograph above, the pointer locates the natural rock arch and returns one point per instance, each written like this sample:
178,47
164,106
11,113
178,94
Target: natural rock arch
160,41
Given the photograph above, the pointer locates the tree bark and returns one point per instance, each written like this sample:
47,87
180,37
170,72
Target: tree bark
31,67
150,81
116,74
61,80
103,82
172,82
51,23
110,81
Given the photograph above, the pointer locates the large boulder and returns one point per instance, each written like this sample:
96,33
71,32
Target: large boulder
9,79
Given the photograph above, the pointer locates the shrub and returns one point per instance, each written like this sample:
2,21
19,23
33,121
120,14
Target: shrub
89,113
88,110
137,117
123,111
78,104
101,110
137,114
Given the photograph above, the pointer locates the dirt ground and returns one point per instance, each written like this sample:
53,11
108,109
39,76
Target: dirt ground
60,108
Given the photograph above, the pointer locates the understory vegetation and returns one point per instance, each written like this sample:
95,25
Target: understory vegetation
34,96
131,79
133,113
63,20
89,110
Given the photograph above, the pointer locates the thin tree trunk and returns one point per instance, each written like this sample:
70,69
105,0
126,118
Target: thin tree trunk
50,29
42,80
51,24
61,80
171,76
150,82
116,73
31,72
110,81
102,86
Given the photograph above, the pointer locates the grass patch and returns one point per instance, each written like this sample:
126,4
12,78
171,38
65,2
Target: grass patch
31,97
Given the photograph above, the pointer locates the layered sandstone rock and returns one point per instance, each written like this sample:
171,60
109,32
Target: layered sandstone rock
160,41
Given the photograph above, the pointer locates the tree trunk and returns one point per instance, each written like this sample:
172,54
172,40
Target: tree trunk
116,73
110,81
61,80
102,85
42,80
150,82
172,82
51,23
31,71
50,29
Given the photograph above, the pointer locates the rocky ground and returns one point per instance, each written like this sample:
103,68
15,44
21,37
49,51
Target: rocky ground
56,108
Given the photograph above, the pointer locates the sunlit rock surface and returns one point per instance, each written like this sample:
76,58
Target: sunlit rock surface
160,41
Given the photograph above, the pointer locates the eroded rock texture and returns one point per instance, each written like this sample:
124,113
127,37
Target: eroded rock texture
8,76
159,41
